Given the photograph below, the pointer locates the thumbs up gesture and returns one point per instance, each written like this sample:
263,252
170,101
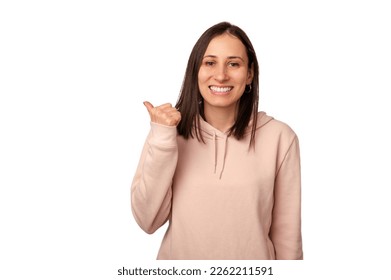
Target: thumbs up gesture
164,114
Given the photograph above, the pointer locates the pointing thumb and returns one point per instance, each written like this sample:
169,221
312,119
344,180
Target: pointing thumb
148,105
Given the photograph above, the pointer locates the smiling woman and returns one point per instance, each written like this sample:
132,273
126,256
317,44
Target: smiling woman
222,78
225,176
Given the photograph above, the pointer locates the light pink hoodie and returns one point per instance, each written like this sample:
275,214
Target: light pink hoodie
222,199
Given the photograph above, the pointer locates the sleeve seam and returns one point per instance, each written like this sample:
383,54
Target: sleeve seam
287,152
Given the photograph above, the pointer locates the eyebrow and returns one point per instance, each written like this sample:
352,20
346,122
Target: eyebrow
229,57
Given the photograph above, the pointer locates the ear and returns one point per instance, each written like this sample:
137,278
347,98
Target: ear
250,74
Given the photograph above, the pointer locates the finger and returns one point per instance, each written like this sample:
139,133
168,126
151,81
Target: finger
164,106
169,110
176,116
149,106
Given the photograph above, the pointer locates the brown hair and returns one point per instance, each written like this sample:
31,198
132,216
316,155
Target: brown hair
190,100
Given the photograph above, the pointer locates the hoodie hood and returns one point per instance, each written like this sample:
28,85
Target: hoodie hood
219,139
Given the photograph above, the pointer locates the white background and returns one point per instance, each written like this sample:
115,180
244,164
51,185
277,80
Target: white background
74,74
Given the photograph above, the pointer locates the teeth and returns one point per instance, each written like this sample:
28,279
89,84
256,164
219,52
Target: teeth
220,89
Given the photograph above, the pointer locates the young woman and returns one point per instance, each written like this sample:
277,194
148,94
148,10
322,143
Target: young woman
225,176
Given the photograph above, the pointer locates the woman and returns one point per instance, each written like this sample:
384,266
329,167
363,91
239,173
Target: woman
225,176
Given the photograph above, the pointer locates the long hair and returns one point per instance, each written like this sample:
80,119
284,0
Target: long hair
189,102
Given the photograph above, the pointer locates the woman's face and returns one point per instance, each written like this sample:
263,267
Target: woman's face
224,72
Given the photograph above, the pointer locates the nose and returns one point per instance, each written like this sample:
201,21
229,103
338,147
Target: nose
220,74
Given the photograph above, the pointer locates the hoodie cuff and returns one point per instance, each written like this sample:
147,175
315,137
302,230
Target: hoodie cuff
163,135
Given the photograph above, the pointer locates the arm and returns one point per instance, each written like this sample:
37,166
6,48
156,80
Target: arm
151,191
286,222
151,187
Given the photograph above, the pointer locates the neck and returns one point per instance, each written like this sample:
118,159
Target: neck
221,118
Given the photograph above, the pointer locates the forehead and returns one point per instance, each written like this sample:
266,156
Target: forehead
226,45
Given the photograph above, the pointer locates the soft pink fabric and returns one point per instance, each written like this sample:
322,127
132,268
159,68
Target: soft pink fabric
222,199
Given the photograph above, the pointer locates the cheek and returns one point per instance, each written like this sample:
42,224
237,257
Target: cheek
202,78
241,76
201,75
201,82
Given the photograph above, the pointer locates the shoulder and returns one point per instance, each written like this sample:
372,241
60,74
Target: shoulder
273,125
274,134
274,139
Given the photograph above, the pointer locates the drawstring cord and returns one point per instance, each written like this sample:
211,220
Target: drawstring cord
225,153
215,154
215,143
215,151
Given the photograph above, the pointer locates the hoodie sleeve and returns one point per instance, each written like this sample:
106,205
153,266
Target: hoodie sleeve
286,221
151,191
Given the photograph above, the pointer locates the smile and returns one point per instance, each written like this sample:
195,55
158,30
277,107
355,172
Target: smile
220,90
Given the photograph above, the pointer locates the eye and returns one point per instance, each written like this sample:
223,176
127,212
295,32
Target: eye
209,63
233,64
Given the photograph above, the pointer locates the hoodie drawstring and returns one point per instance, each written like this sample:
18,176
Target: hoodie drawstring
225,153
216,135
215,150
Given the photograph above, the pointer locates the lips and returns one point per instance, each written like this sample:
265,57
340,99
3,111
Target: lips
220,90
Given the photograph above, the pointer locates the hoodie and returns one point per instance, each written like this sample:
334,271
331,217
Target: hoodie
222,199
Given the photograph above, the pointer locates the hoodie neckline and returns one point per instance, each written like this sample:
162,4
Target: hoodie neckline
209,131
217,136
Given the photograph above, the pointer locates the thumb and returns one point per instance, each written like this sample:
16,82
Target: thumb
148,105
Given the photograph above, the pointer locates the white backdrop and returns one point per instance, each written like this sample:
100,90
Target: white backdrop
74,74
